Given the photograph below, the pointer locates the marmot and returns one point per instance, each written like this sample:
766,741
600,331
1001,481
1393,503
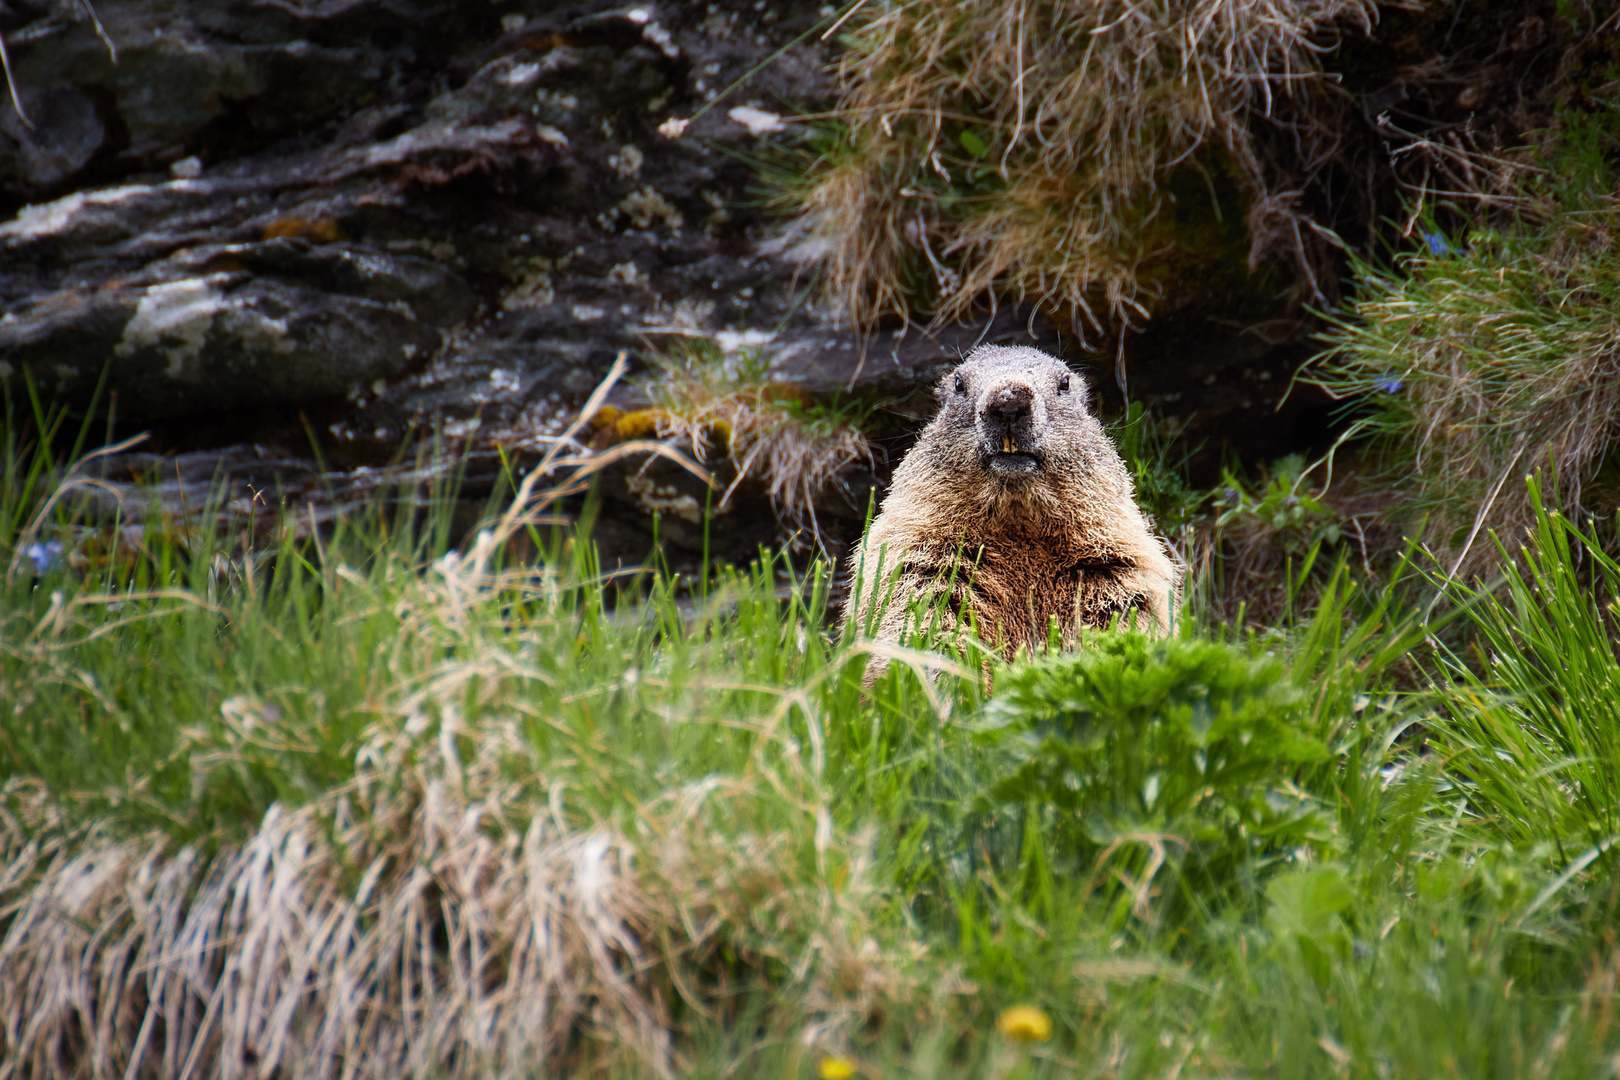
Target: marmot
1017,503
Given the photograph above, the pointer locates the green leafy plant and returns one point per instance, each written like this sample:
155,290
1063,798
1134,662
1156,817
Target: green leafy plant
1262,552
1162,748
1304,910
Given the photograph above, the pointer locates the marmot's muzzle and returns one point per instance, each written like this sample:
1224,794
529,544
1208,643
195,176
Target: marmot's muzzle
1010,430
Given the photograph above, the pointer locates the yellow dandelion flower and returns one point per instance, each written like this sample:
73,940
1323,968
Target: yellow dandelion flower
834,1067
1025,1024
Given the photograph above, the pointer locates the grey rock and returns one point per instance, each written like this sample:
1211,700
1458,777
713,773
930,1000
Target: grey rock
450,160
213,341
900,364
61,135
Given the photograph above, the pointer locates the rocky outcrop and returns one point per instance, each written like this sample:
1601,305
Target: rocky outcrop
366,218
384,215
388,213
357,190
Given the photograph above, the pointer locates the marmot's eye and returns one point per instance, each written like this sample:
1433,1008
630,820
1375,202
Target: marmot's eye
961,385
1063,385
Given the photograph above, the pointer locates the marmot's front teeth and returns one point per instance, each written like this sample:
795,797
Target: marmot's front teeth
1008,446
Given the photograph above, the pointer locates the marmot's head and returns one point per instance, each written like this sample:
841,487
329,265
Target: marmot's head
1015,426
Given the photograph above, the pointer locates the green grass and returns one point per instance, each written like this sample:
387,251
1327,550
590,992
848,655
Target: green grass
1534,730
482,810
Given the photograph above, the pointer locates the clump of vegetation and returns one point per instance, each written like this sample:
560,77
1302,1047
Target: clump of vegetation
991,147
325,823
1484,357
1280,509
1270,536
772,432
1139,756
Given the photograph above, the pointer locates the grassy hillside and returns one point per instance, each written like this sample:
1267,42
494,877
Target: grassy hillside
360,804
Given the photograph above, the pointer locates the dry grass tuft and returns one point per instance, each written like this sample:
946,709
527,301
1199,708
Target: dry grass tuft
771,431
298,955
411,930
1015,145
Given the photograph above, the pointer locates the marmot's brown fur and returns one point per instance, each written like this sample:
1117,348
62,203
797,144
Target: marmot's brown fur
1016,491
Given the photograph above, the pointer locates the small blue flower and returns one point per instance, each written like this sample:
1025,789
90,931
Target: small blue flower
1437,243
43,556
1390,386
1232,496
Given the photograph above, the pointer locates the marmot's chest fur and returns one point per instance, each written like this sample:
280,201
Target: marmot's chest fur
1014,506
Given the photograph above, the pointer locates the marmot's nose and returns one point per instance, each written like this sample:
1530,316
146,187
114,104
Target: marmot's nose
1009,404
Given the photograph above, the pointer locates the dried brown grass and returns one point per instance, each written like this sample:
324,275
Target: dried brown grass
767,430
1081,108
424,930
